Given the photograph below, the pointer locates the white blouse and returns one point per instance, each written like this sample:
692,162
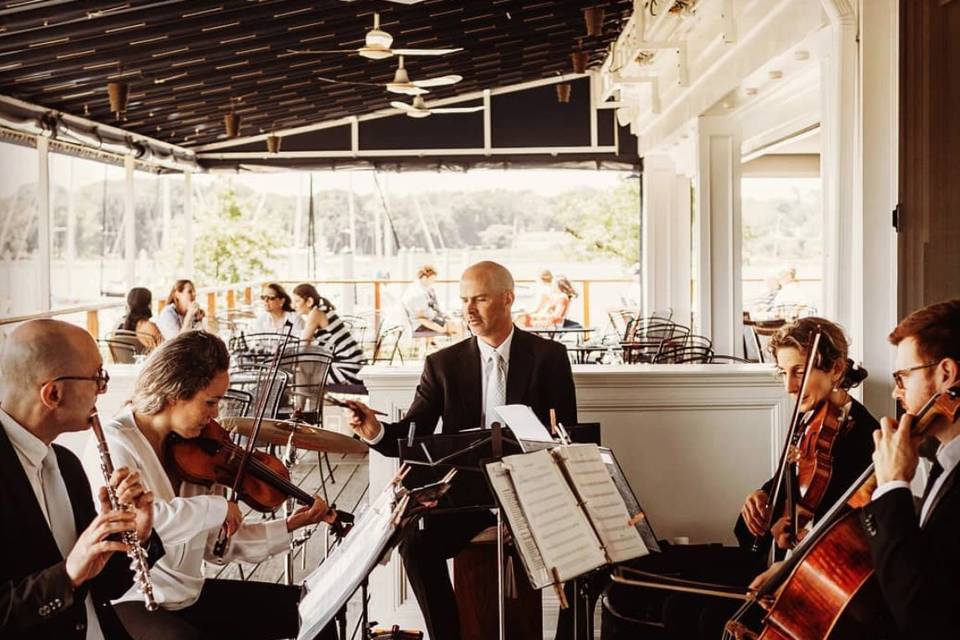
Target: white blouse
187,524
266,323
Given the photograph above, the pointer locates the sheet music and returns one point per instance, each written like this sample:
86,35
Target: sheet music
591,480
332,583
565,538
522,536
524,423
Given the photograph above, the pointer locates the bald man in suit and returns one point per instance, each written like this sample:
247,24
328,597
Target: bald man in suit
59,567
462,384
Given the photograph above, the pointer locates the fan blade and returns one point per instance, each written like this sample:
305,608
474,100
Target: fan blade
333,81
406,90
425,52
438,82
402,106
313,52
457,109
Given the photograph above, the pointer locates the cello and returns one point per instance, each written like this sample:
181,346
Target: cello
826,589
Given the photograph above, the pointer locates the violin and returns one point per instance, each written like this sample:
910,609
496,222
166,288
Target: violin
813,457
213,458
827,589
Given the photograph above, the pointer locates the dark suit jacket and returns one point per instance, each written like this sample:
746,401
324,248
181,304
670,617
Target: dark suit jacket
538,375
36,597
852,454
918,568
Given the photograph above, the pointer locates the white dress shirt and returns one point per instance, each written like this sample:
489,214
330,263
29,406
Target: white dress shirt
486,369
266,323
187,524
32,451
948,455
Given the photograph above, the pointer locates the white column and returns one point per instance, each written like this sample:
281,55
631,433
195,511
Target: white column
878,150
666,238
842,271
188,224
70,247
166,210
718,305
129,225
43,226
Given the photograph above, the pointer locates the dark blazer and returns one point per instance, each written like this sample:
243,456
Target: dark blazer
538,375
852,453
918,569
37,600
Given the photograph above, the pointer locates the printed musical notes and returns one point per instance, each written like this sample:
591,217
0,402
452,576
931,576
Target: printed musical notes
591,481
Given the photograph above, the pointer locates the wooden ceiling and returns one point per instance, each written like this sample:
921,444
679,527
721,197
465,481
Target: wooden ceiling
188,61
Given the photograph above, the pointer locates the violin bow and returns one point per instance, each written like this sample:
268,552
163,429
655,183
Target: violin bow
783,469
220,547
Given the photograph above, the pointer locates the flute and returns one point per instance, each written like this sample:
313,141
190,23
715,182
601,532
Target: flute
138,558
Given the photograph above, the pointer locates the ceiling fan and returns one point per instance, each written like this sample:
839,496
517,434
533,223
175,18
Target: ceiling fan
401,82
419,108
377,46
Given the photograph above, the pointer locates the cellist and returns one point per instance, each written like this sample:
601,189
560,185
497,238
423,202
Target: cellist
916,555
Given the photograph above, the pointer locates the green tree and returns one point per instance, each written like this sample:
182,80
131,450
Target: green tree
232,245
605,224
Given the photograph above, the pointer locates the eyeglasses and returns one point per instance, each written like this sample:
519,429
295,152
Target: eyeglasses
102,379
898,375
269,298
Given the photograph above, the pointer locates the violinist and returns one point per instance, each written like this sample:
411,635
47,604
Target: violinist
830,378
685,616
178,392
916,553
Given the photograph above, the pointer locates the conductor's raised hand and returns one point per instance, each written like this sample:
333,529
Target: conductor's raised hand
93,548
363,421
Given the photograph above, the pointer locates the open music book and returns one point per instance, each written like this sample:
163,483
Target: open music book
566,514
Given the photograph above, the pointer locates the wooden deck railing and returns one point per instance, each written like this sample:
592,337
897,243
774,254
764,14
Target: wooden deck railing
242,295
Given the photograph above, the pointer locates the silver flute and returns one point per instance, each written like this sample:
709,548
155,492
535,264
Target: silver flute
138,558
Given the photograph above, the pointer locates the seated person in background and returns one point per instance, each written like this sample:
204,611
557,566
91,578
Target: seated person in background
138,317
420,304
178,392
542,291
323,327
278,312
790,302
59,563
762,306
555,313
181,313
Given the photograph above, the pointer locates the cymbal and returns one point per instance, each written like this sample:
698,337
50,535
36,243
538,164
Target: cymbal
305,436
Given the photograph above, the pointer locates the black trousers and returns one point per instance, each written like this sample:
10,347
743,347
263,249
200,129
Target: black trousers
228,609
425,553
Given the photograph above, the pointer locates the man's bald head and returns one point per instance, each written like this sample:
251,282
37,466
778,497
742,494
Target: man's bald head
40,350
496,276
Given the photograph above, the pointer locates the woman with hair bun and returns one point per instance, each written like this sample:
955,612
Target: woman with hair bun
832,376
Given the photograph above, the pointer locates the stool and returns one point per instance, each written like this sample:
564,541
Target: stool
475,583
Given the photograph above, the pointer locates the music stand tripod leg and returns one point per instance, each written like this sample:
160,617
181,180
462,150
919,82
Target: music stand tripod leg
501,607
